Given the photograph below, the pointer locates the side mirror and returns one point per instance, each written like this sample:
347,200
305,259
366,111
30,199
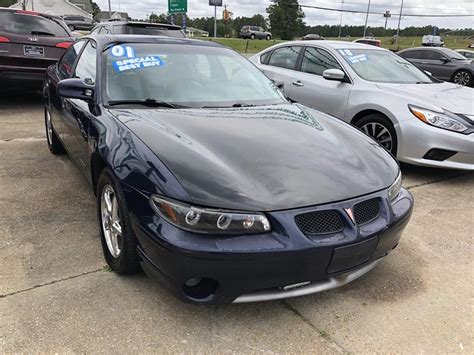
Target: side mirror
444,59
334,74
76,89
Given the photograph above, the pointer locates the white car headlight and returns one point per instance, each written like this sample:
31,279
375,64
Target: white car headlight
209,221
438,119
395,188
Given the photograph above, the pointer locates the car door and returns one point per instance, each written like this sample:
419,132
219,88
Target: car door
64,70
76,113
431,61
281,65
310,88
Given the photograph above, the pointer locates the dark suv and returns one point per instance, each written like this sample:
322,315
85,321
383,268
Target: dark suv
29,43
79,23
255,32
138,28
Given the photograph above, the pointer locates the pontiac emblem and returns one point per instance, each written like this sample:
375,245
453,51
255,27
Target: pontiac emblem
350,214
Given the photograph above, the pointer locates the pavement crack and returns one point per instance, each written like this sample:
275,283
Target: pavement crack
438,180
50,283
331,342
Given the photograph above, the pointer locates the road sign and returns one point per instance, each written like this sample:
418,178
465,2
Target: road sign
177,6
215,2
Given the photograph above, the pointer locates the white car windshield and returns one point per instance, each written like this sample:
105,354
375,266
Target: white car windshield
383,67
185,75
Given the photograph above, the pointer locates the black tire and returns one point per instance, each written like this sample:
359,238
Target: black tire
268,37
71,27
54,144
462,77
373,125
127,261
252,36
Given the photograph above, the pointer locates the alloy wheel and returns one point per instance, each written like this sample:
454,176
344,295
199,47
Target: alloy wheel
111,224
462,78
380,133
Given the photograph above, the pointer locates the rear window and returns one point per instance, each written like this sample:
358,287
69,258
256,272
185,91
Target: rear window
155,31
26,24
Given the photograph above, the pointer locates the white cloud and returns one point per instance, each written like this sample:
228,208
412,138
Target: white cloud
199,8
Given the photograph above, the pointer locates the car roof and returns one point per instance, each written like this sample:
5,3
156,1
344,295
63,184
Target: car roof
103,40
335,44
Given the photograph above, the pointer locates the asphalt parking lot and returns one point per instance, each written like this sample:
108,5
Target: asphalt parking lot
56,294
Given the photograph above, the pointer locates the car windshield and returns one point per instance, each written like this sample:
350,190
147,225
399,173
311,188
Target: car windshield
185,75
26,23
383,67
155,31
453,54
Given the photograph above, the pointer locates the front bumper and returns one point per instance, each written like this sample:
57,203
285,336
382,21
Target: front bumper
283,263
416,139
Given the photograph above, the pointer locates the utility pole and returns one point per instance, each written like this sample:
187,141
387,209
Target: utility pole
215,21
110,10
366,18
398,27
340,22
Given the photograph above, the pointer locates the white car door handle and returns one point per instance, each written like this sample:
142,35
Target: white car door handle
298,83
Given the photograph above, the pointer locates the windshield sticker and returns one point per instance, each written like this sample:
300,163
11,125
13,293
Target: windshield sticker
345,52
122,51
138,63
357,58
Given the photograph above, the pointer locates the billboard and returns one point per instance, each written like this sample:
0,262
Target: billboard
215,2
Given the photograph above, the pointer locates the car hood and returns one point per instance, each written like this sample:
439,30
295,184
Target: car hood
451,97
262,158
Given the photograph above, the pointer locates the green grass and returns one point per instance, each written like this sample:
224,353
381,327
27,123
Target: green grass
254,46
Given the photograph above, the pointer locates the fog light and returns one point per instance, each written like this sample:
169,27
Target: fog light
193,282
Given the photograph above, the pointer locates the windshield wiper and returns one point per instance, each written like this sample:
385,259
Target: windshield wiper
424,82
42,33
146,102
238,104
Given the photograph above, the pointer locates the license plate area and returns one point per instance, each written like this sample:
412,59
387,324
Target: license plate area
349,256
33,51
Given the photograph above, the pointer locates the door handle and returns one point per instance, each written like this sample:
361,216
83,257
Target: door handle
298,83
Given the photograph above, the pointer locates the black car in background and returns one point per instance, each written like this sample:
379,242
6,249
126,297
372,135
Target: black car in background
29,43
155,135
442,63
138,28
79,23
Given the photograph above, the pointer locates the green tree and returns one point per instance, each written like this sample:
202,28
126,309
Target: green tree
286,18
95,8
7,3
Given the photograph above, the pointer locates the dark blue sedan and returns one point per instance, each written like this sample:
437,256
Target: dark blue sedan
208,178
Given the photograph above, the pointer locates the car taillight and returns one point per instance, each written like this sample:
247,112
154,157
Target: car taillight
64,44
4,39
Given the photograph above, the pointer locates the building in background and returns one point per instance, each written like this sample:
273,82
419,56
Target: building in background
57,7
196,32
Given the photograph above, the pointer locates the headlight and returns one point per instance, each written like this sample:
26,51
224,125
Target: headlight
442,120
394,189
210,221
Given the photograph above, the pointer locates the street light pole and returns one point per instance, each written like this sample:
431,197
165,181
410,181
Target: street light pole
399,20
110,10
340,22
215,21
366,18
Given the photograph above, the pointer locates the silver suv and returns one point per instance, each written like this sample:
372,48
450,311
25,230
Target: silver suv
255,32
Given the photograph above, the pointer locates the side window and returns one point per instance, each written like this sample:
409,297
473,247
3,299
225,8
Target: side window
412,55
102,30
86,66
432,55
95,30
316,60
264,57
285,57
66,64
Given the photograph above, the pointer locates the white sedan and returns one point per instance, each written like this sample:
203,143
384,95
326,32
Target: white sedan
420,119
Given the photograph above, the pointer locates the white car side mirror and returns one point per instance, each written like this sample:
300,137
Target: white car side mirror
334,74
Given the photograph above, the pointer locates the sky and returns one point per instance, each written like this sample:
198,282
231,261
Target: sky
200,8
